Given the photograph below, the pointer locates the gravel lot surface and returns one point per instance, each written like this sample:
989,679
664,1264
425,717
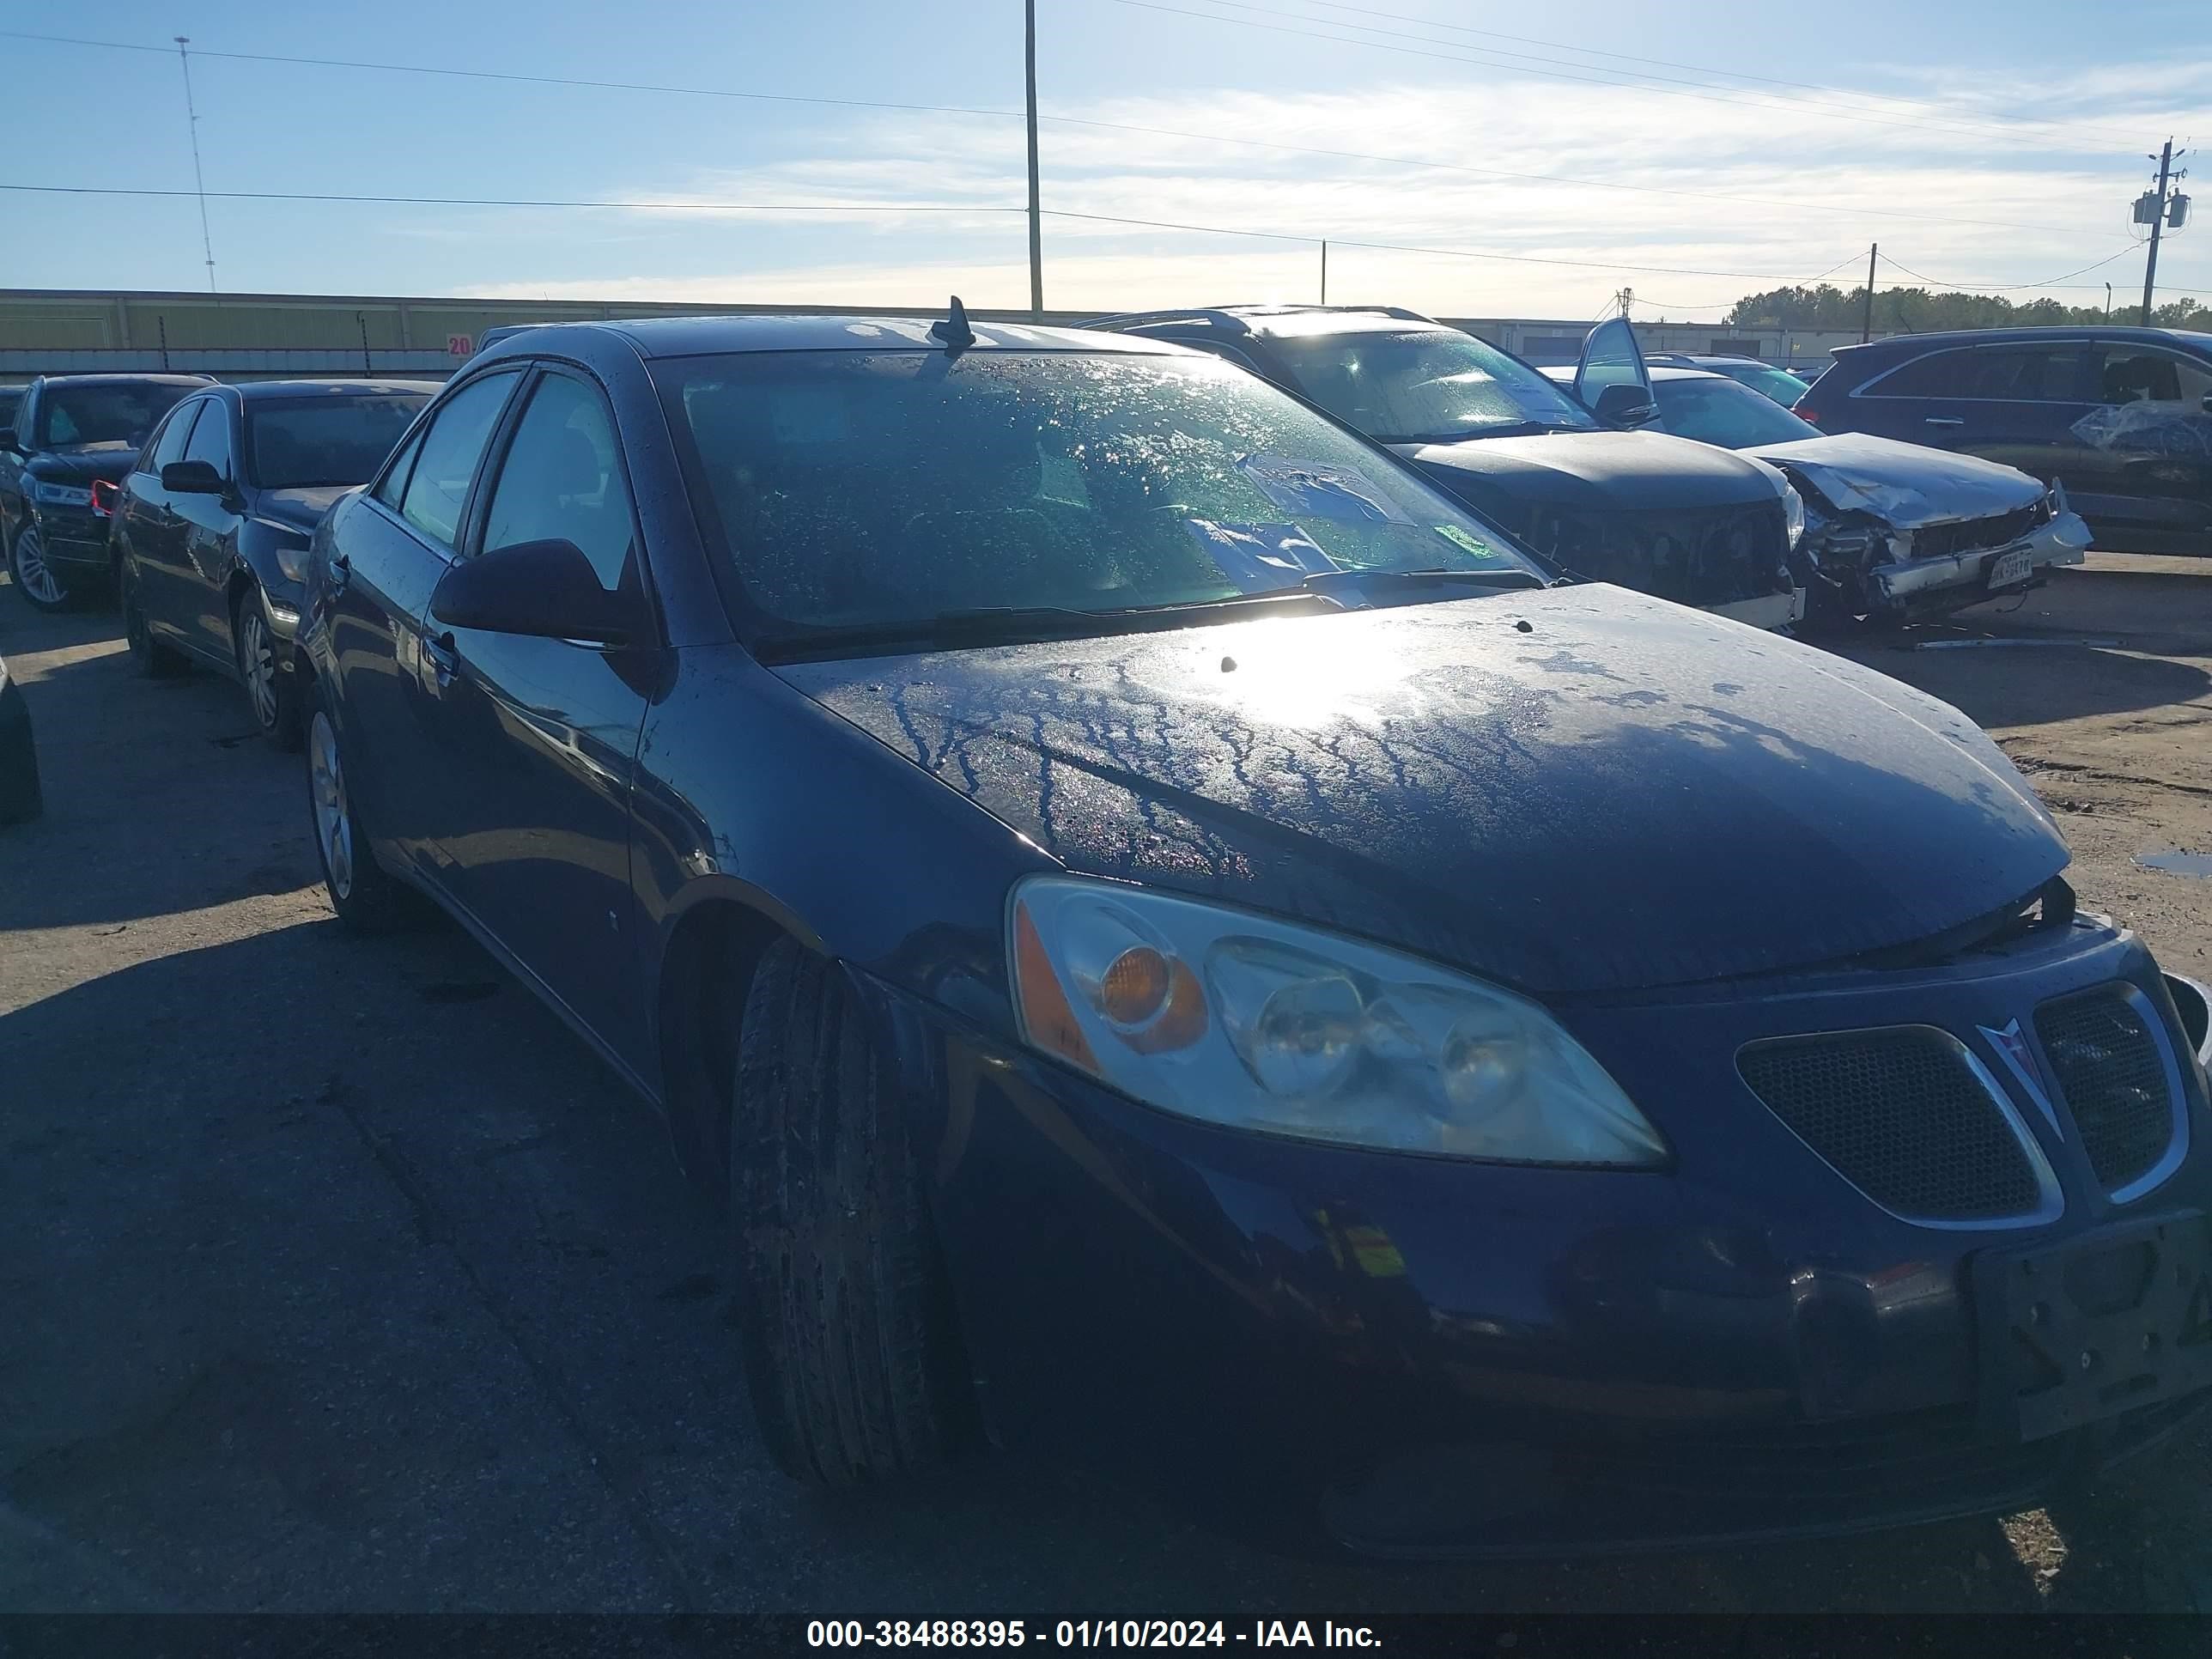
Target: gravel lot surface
335,1276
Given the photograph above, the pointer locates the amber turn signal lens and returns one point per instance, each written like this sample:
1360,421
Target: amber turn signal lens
1045,1010
1135,985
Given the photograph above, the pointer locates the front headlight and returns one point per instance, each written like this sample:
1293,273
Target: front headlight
291,559
49,493
1253,1022
1793,514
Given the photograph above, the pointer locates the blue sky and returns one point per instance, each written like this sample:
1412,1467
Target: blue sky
1991,143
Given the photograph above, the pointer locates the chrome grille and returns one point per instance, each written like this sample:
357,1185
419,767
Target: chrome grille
1906,1116
2112,1070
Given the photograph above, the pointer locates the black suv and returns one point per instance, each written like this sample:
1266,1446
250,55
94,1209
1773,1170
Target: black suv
73,438
1683,520
2122,417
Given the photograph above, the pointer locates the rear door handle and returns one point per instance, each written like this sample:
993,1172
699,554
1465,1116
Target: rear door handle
444,659
1945,420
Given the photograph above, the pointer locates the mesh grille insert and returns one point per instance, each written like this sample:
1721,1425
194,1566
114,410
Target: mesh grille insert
1900,1114
2111,1072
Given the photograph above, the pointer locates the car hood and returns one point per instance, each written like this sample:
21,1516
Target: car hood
1574,790
1650,470
83,463
301,509
1905,485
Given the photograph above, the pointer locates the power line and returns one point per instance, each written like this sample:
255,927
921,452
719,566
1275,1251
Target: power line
2057,282
1665,63
1498,60
1765,205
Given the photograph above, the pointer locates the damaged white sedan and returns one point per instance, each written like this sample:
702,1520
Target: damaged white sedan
1893,531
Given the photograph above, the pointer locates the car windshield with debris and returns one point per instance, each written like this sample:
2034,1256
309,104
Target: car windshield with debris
1021,492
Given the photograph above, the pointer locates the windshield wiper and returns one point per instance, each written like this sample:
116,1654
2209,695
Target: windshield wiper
1009,624
1325,581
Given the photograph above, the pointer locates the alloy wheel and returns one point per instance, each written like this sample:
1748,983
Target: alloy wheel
334,823
32,571
257,660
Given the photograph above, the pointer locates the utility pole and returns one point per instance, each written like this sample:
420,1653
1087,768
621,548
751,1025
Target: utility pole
2108,302
1036,218
193,129
1626,300
1324,270
2157,223
1866,316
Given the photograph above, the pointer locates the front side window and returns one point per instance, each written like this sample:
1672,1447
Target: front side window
169,446
1714,410
438,486
101,413
299,443
863,488
211,439
562,480
1426,386
2131,374
393,490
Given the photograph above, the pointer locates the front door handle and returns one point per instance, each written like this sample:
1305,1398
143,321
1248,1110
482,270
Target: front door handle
336,574
1945,420
444,659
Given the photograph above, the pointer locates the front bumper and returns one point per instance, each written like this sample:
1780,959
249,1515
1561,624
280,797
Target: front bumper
72,536
1441,1356
2063,540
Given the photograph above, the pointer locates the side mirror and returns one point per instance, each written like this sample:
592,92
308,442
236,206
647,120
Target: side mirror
193,478
544,590
1624,406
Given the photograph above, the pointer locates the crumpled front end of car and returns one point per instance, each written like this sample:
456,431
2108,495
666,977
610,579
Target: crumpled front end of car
1862,564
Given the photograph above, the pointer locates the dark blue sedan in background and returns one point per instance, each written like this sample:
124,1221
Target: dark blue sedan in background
1170,939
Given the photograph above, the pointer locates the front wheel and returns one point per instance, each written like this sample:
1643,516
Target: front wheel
851,1354
367,899
271,691
38,583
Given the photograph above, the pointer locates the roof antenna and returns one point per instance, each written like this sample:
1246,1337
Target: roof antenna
953,328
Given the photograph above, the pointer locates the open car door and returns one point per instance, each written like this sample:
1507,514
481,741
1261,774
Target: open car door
1611,380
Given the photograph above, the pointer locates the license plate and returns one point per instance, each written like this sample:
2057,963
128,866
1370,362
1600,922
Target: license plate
2101,1324
2010,568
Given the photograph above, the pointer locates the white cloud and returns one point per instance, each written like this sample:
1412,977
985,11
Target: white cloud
1800,193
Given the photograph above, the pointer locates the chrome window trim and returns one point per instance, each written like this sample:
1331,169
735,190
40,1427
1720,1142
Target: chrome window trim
2050,1196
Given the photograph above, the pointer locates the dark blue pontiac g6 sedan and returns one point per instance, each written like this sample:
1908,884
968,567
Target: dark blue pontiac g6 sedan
1173,940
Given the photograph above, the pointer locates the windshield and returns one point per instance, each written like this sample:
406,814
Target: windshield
851,489
1429,386
115,412
293,443
1714,410
1779,384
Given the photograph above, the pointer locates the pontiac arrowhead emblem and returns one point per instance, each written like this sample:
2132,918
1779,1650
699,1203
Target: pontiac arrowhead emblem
2012,1047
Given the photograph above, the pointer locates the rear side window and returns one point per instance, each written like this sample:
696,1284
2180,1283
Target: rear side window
211,439
562,478
393,490
2006,374
438,486
169,444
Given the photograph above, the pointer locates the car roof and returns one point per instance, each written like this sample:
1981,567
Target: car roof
132,380
2114,333
1678,372
698,336
1277,321
252,390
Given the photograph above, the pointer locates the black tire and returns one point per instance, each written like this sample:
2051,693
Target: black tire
272,691
149,656
367,898
851,1354
37,583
